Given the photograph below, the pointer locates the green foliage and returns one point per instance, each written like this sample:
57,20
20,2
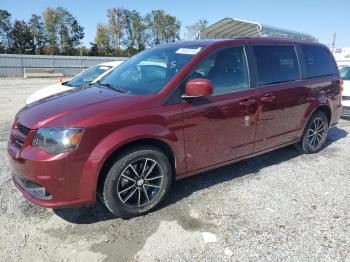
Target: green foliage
57,31
135,36
163,28
50,21
94,51
116,23
127,32
22,38
102,44
5,29
124,33
2,48
63,32
36,27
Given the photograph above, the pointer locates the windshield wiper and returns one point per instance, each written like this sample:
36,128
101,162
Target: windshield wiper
110,86
119,89
66,83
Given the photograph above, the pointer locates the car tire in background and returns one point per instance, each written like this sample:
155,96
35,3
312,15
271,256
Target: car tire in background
137,181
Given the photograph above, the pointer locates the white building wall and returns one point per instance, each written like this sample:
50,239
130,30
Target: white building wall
342,56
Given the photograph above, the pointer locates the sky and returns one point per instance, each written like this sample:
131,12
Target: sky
320,18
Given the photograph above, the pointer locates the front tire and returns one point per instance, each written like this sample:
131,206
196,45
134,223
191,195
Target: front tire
137,182
315,134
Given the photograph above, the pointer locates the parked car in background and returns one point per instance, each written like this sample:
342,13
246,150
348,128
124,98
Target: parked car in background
201,105
345,76
88,76
342,66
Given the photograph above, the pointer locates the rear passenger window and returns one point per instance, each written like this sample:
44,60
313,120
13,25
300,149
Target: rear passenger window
276,64
319,61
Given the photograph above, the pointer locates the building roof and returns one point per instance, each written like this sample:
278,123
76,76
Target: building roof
229,28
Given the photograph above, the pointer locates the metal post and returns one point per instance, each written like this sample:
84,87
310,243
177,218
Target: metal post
333,42
21,64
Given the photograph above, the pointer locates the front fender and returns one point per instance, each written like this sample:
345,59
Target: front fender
124,136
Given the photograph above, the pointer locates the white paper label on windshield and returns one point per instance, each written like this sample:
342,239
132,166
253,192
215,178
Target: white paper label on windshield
104,68
188,51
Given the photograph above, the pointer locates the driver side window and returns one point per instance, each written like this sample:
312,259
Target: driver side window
226,69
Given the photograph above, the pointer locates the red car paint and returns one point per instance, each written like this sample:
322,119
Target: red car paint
201,136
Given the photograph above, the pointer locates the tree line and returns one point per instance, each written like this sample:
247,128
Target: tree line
57,32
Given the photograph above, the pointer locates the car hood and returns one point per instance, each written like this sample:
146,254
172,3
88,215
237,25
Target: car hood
71,107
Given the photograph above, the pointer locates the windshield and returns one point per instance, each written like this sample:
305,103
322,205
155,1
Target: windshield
88,76
149,71
345,73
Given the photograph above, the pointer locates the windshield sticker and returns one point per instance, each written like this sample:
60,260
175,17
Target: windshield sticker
188,51
104,68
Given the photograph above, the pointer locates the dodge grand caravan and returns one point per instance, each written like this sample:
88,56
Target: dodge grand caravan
210,103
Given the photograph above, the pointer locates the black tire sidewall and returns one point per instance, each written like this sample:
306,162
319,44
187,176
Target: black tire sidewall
304,143
110,195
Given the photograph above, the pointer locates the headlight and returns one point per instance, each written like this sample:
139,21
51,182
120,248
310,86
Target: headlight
57,140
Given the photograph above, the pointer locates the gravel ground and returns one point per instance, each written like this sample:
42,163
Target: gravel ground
278,206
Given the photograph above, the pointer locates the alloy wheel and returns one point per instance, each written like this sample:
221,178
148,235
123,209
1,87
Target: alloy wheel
140,182
317,132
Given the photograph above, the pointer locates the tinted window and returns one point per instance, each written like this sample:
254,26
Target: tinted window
276,64
319,61
227,69
345,73
88,75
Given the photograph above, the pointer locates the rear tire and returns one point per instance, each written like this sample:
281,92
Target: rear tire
137,182
315,134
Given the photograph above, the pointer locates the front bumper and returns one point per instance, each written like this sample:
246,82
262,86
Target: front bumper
46,180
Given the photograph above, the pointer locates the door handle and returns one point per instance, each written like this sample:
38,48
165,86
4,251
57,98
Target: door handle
268,98
247,102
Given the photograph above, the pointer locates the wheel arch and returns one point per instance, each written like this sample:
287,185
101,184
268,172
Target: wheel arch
325,109
321,107
144,142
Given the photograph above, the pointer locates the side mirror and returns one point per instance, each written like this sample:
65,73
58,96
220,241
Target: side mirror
198,87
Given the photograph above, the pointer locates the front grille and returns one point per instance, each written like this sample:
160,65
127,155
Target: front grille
346,97
23,129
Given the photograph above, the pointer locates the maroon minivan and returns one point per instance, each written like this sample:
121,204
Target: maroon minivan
170,112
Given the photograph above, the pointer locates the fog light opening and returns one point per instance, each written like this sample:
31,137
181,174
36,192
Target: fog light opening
33,188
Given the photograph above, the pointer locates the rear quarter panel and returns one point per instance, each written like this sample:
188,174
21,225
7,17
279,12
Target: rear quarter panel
324,92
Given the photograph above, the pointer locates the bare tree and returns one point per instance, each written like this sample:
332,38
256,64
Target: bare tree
193,30
116,22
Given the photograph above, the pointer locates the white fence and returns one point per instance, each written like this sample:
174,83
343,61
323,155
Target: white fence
13,65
